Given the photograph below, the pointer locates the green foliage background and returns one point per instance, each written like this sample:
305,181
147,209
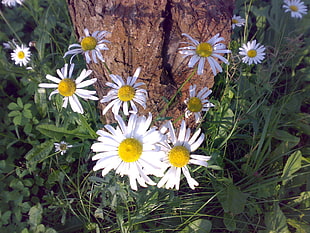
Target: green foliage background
258,136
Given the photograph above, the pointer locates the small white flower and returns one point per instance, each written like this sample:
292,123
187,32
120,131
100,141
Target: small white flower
237,21
90,46
124,94
178,155
62,147
12,3
296,7
253,52
201,52
70,88
21,55
197,103
130,150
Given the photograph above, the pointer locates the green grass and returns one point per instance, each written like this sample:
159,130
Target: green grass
257,135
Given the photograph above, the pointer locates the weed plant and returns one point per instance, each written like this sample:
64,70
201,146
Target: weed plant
258,178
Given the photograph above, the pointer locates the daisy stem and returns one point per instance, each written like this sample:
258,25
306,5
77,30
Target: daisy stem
177,92
246,27
180,117
10,27
106,66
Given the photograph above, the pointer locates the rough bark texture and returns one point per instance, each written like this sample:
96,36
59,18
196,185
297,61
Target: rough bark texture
147,34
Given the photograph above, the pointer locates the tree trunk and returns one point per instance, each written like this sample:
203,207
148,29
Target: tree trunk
147,34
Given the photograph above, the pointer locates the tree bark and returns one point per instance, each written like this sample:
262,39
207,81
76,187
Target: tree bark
147,34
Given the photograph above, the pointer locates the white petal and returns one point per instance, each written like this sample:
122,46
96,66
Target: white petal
65,102
48,85
194,59
75,104
84,74
182,131
196,144
201,65
191,182
86,83
52,78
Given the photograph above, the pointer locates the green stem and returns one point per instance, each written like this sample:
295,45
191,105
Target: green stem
106,66
177,92
10,27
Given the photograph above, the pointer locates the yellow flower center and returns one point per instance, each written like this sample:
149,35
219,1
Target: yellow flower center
89,43
66,87
294,8
63,146
130,150
252,53
126,93
179,156
234,21
194,104
204,49
21,55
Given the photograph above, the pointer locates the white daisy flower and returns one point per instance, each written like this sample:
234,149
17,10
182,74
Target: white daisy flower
62,147
130,150
90,46
296,7
21,55
178,155
12,3
70,88
197,103
253,52
125,94
201,52
237,21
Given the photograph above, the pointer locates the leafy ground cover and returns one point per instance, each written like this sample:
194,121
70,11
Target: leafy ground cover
257,136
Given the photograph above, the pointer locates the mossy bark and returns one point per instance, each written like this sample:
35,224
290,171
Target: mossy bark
147,34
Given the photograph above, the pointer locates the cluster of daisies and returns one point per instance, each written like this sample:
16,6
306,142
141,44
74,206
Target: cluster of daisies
254,52
135,147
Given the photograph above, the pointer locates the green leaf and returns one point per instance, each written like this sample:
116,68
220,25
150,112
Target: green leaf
17,120
198,226
99,213
13,106
5,217
39,153
41,102
27,113
232,199
14,113
283,148
28,128
35,215
276,221
303,199
293,164
85,125
57,133
50,230
299,226
25,230
229,222
28,182
285,136
16,184
20,102
39,228
28,105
